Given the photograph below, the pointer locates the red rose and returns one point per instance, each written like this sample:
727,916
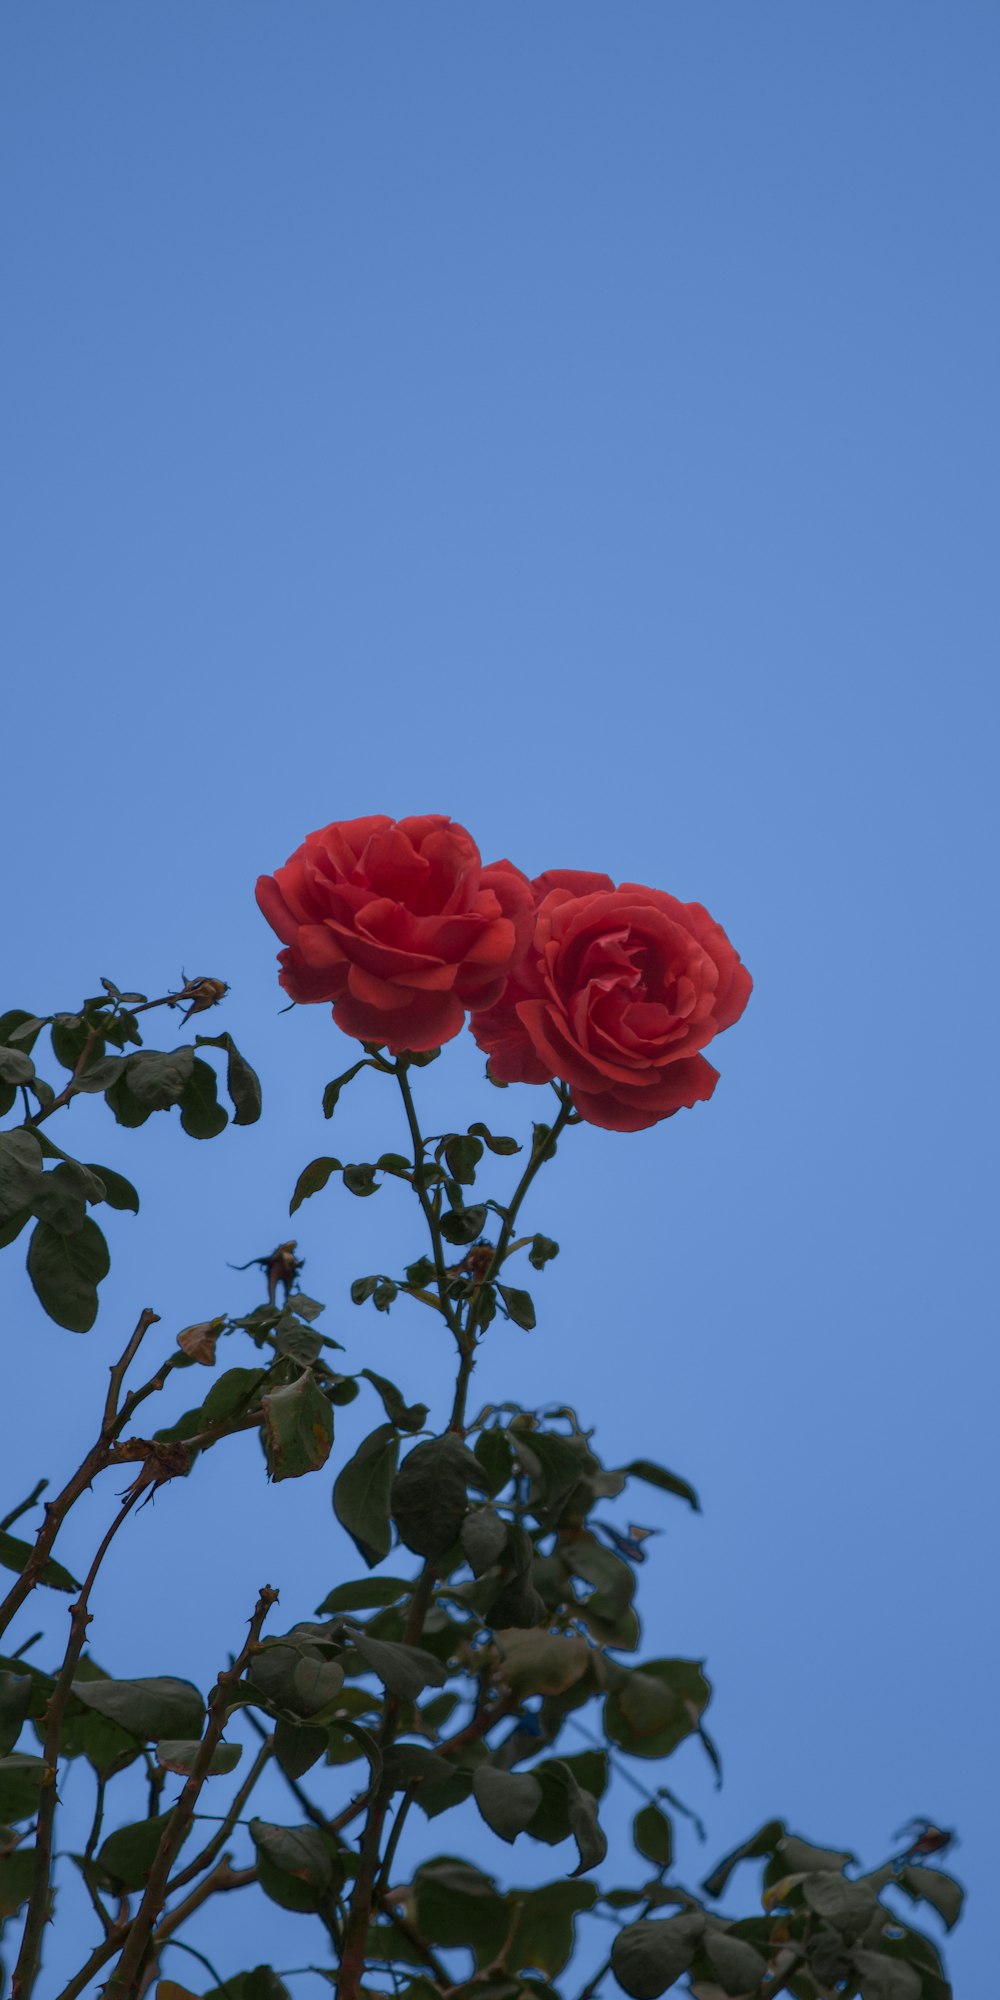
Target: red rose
618,991
399,924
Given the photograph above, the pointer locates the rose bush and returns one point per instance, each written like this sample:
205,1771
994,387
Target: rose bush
618,992
399,924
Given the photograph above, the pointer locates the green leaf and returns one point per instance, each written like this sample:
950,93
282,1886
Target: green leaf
128,1854
484,1539
148,1709
413,1764
404,1670
494,1453
668,1482
318,1684
16,1876
793,1856
84,1733
298,1428
11,1229
20,1778
458,1905
118,1192
542,1252
359,1178
296,1865
297,1341
933,1886
557,1465
333,1090
612,1578
275,1673
497,1143
15,1066
508,1800
520,1307
737,1966
543,1937
429,1500
178,1754
361,1494
157,1078
405,1416
20,1171
462,1154
848,1906
66,1271
886,1978
14,1554
368,1593
15,1703
541,1662
69,1035
261,1984
242,1082
62,1199
653,1709
20,1028
297,1747
651,1955
202,1116
463,1225
312,1179
127,1109
652,1834
100,1074
582,1817
764,1841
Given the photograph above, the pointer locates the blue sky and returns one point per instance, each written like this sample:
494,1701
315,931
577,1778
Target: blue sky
580,420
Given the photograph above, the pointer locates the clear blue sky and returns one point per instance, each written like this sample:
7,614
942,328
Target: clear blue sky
580,419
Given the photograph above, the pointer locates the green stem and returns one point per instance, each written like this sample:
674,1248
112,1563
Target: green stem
430,1216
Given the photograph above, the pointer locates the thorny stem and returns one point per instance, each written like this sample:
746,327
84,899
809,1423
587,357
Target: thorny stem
124,1980
219,1839
223,1877
27,1967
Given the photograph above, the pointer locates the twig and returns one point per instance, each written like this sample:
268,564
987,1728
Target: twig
120,1368
101,1453
124,1979
223,1877
26,1969
106,1921
218,1840
22,1507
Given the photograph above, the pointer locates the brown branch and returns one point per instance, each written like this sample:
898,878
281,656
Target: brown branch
27,1967
125,1979
120,1368
223,1877
218,1840
101,1454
